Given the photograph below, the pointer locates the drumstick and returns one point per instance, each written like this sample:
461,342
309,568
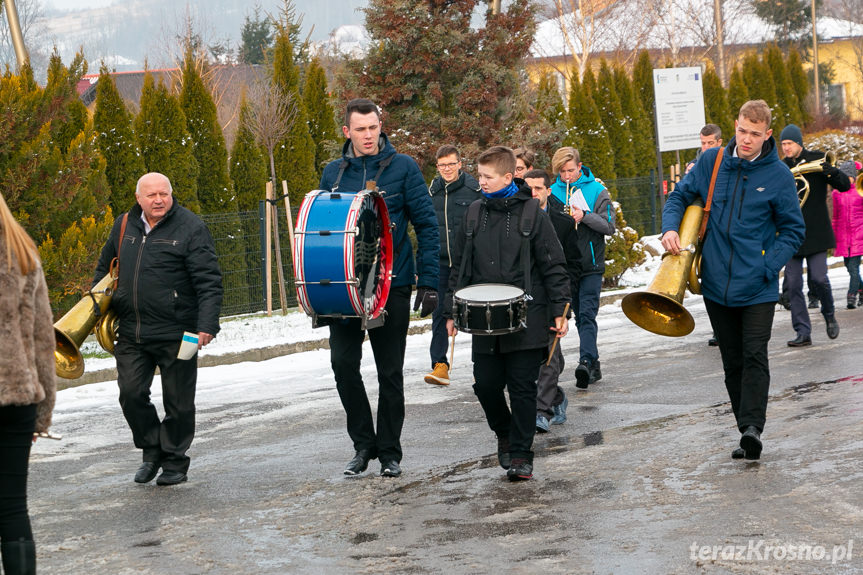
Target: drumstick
554,343
451,352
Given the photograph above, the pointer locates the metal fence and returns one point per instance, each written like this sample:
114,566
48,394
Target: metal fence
240,244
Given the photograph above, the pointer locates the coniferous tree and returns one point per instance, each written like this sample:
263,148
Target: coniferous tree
215,191
738,92
116,140
586,127
716,109
256,38
549,103
48,180
759,81
643,141
166,145
455,83
248,167
322,124
789,106
800,84
295,155
615,122
642,85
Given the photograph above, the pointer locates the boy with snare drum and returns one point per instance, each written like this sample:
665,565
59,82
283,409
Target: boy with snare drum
509,241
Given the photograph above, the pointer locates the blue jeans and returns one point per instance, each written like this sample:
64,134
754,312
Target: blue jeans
439,345
585,306
852,264
816,265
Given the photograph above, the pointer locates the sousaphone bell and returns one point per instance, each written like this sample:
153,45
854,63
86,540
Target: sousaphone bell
659,309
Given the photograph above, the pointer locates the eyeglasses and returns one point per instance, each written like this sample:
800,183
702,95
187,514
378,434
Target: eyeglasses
447,166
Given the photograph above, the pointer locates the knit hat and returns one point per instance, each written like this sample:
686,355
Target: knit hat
793,133
849,169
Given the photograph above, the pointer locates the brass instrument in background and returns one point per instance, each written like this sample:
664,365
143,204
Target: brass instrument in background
72,329
859,184
813,167
659,309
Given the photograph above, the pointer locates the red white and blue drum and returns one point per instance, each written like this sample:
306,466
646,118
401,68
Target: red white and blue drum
343,254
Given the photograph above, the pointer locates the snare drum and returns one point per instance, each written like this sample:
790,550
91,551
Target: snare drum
343,255
490,309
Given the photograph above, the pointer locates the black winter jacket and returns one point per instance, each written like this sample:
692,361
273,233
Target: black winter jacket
496,257
450,205
169,279
819,229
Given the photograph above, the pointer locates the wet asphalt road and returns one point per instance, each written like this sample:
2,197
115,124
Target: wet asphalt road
639,475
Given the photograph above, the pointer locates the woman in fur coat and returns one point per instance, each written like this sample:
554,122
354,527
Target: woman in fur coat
27,386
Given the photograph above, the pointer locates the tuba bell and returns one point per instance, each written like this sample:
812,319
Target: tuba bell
72,329
859,184
659,309
816,166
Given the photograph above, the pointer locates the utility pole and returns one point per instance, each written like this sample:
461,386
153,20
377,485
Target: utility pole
720,41
15,33
815,64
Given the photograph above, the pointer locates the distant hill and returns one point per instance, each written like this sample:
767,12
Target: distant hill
131,32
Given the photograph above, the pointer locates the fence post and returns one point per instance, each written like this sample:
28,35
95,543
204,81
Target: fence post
652,202
262,235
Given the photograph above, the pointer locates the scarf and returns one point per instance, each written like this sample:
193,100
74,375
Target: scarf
506,192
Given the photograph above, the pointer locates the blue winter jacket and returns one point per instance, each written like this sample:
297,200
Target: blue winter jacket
597,223
754,228
407,200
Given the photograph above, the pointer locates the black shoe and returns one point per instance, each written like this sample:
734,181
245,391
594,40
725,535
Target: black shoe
595,372
503,452
147,472
800,341
359,463
390,469
171,478
750,442
713,342
852,301
738,453
813,303
832,326
582,374
520,470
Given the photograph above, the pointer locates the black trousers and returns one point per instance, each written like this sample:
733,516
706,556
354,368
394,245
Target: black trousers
388,346
17,423
168,440
516,372
743,334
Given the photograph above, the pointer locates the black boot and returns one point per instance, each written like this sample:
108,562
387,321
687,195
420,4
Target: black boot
19,557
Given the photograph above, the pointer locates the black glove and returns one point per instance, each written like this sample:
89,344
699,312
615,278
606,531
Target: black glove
427,298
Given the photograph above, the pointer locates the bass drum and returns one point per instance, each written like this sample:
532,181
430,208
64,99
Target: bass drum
343,255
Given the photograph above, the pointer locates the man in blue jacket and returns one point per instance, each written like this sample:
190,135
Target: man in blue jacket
368,155
754,227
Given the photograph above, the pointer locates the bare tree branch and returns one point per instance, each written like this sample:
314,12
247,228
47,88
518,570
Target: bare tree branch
272,115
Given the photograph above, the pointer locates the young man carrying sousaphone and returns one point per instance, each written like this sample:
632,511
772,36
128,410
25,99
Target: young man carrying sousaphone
754,226
508,245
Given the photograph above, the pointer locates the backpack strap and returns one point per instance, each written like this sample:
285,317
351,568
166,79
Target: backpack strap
528,219
470,226
703,229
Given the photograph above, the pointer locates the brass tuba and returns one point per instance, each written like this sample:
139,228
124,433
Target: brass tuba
813,167
659,309
859,184
72,329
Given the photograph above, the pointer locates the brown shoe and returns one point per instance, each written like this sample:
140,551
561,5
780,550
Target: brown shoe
439,375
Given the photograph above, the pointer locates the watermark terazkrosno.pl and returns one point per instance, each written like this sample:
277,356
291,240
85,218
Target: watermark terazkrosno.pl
765,550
